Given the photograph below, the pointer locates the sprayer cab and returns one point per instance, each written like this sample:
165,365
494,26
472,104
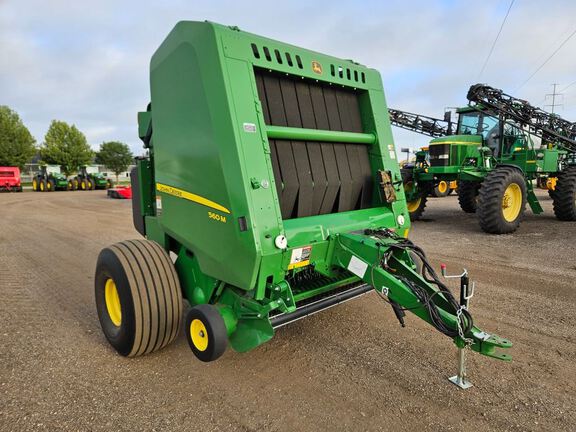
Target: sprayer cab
272,178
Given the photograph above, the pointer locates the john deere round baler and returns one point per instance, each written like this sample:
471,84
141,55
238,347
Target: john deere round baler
271,192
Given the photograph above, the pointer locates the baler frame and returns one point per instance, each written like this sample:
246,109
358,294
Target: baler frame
253,244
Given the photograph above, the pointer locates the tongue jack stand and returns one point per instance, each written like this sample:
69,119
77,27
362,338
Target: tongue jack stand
466,293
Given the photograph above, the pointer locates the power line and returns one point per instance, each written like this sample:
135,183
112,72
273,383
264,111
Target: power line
495,40
547,60
568,86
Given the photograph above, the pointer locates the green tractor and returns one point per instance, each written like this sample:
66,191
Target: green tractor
89,178
271,192
49,179
499,147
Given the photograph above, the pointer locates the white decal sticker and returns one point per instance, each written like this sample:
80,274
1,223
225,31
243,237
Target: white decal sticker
392,154
158,204
357,266
300,257
249,127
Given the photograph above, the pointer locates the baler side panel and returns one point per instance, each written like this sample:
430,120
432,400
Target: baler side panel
196,159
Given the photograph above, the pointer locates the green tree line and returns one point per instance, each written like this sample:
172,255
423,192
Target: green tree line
64,145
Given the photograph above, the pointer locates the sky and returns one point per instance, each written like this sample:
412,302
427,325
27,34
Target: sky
87,63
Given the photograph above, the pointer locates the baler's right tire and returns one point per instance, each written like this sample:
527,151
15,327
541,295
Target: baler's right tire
468,195
502,201
138,297
206,332
564,195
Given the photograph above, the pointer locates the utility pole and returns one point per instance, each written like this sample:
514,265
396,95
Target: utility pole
553,95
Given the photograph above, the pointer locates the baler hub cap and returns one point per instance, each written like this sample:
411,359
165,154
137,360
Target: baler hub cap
113,302
199,335
400,220
511,202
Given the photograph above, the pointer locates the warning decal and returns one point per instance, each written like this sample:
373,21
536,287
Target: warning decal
300,257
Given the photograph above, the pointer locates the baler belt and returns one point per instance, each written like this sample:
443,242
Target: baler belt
315,178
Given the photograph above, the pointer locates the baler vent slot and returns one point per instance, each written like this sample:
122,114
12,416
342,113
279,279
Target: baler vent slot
277,55
255,51
351,74
314,178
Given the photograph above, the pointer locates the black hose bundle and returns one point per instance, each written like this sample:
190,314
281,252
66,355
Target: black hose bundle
430,276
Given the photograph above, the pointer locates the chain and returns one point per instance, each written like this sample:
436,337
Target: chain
467,341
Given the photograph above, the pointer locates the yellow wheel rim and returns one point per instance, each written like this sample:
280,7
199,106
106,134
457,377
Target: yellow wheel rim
34,185
83,185
199,335
41,186
48,186
551,183
113,302
442,186
412,205
511,202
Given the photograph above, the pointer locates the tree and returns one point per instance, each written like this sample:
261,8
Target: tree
66,146
17,145
115,155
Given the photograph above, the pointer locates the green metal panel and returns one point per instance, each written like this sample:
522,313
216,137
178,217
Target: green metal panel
211,141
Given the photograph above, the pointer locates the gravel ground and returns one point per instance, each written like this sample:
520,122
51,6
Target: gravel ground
349,368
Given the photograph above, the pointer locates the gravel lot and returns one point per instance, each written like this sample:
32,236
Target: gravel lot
349,368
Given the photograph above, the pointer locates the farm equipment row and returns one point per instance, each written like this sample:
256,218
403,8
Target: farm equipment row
49,179
498,148
272,179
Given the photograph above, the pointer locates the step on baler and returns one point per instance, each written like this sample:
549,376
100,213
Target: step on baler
272,183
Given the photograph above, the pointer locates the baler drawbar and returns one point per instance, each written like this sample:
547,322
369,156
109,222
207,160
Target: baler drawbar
271,192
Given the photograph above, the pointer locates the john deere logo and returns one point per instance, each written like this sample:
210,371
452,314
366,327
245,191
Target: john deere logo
316,67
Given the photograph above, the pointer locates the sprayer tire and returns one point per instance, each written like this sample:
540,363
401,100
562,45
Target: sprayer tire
564,195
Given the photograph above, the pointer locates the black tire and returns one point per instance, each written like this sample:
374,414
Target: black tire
215,336
468,195
91,184
75,183
42,184
564,195
416,207
50,185
497,194
149,295
35,184
441,190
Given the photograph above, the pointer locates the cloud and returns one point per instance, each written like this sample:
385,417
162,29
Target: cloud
88,64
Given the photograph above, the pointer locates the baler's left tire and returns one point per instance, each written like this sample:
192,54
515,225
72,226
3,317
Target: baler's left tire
206,332
138,297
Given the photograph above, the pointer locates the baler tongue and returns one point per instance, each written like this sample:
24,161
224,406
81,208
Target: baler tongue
382,259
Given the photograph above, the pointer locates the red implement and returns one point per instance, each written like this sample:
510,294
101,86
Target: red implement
120,192
10,179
